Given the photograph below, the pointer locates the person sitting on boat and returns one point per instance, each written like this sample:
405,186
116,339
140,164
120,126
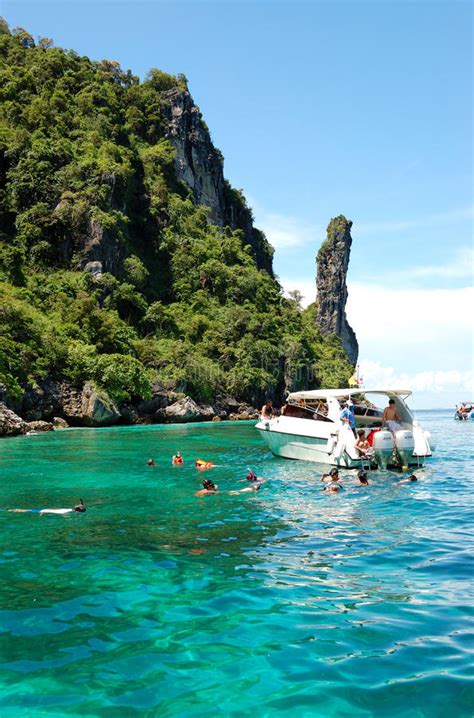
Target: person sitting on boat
201,464
267,410
177,459
79,508
391,417
283,409
362,445
209,487
362,476
347,415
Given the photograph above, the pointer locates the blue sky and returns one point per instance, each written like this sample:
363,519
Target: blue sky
327,108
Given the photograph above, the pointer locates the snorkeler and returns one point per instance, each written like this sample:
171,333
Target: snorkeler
209,487
177,459
80,508
200,464
254,487
409,479
150,462
253,478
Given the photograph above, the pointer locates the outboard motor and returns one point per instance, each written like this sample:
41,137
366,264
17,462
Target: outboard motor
382,445
405,445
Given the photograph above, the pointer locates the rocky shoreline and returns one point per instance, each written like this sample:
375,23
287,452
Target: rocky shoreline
58,405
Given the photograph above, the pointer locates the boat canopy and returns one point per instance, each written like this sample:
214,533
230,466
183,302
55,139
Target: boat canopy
321,394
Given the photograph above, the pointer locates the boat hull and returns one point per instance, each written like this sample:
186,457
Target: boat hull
293,446
306,446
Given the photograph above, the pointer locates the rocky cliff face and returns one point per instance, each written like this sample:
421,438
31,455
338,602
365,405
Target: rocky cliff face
200,165
332,263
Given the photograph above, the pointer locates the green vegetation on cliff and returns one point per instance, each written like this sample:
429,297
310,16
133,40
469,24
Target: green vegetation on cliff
87,175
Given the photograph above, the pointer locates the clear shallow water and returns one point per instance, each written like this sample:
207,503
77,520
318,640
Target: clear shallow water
283,602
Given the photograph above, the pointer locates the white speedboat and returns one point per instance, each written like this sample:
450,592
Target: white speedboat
311,429
464,411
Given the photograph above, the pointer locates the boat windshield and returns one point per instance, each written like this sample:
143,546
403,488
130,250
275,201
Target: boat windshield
307,410
368,408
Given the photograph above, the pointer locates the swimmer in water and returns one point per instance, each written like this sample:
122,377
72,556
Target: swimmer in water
150,462
255,483
330,476
362,476
409,479
255,487
177,459
253,478
200,464
333,480
80,508
209,487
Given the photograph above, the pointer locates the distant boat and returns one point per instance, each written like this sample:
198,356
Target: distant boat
464,411
311,429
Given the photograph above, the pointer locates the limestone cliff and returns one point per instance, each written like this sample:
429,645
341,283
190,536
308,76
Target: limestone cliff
332,264
200,165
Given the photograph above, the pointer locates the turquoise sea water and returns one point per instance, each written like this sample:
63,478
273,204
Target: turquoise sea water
284,602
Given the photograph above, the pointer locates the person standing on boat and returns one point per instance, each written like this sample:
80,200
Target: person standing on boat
391,417
347,415
267,410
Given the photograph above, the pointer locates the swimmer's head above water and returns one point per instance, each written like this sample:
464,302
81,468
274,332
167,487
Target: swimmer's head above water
80,506
209,485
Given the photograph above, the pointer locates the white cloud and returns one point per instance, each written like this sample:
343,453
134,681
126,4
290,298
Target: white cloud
400,318
416,339
464,213
283,231
411,319
376,375
460,266
306,287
